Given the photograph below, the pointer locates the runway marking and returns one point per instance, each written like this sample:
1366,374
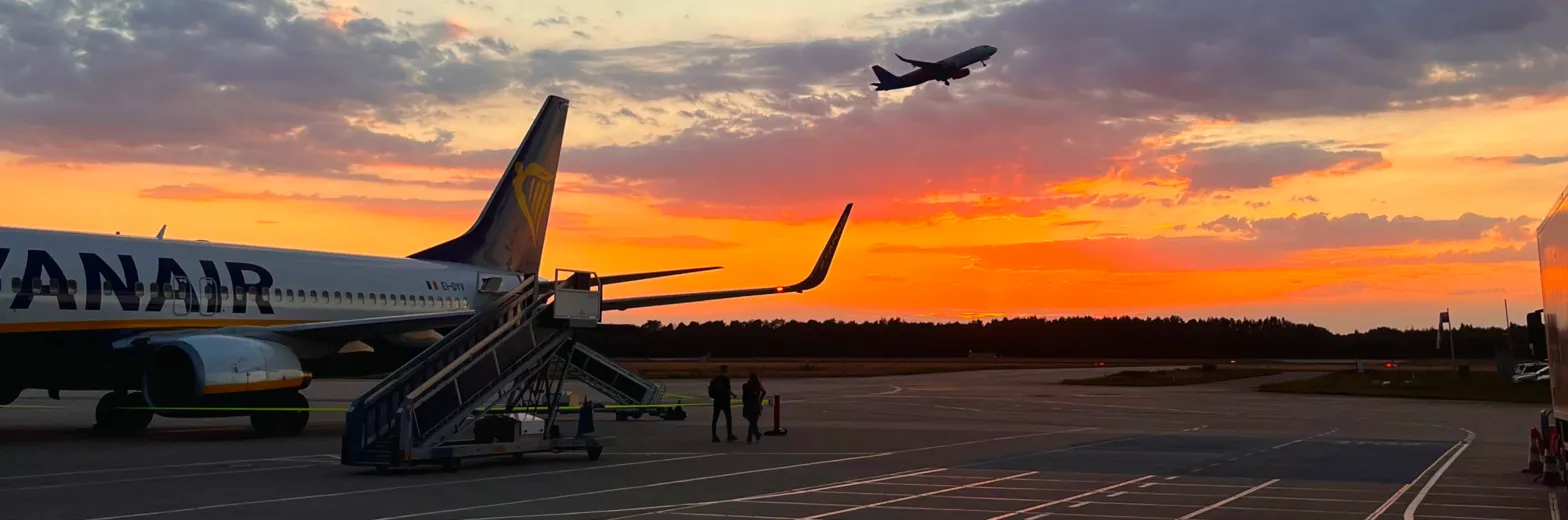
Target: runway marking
1058,450
912,497
735,516
709,477
395,488
1233,498
1271,448
1036,517
1117,494
164,477
1551,504
1080,504
896,389
670,508
956,408
169,466
1069,499
1410,510
1066,403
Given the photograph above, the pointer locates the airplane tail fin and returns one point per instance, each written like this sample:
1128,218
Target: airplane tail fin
509,233
883,76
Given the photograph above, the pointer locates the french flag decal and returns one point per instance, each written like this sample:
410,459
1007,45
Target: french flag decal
432,285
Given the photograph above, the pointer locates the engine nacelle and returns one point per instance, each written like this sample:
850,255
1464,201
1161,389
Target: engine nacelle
212,371
960,73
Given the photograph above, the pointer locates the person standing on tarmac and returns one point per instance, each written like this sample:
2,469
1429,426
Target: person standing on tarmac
751,405
719,390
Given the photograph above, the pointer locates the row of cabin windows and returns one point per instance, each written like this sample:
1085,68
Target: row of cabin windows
169,291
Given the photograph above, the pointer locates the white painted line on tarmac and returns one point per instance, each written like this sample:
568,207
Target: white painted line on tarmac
1070,499
168,466
1410,510
1402,489
1551,504
912,497
395,488
671,508
630,488
1233,498
164,477
676,507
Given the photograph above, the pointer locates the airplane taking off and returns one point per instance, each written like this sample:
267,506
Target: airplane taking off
161,323
950,68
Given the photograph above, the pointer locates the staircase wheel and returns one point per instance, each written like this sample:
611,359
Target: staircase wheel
594,452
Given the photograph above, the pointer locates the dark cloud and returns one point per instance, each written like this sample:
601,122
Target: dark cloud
1319,230
1257,165
1523,160
554,20
1107,74
1000,143
459,210
254,86
259,86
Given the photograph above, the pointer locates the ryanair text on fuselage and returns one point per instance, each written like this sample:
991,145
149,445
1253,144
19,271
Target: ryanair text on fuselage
244,278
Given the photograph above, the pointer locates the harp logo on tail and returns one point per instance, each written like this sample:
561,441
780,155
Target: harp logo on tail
532,187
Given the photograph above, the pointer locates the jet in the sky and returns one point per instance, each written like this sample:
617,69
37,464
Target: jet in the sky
950,68
200,329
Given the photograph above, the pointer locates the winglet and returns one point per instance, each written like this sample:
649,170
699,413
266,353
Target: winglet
819,273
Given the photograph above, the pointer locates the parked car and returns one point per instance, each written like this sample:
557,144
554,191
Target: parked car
1539,374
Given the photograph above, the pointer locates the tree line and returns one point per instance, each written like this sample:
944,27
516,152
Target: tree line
1082,337
1075,337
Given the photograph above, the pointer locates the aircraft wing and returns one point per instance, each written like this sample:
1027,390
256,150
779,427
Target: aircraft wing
918,63
632,277
818,274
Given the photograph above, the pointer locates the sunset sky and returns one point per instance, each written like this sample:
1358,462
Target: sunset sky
1350,163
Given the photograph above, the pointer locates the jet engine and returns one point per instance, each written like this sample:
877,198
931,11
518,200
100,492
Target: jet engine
217,372
960,73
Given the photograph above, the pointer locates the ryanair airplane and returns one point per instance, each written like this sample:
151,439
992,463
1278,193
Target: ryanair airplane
174,323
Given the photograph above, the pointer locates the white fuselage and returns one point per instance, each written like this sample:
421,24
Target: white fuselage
52,281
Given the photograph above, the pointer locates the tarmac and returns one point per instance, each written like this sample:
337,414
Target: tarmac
960,446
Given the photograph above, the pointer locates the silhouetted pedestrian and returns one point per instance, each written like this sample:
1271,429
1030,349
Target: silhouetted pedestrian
719,390
751,395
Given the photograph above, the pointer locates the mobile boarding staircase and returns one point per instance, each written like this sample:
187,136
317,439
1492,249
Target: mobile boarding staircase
471,393
633,395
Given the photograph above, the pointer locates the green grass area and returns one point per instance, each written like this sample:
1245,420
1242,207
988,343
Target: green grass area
1181,376
783,369
1477,386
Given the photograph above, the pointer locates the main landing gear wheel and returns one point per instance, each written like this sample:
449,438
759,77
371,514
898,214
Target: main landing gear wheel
289,422
122,413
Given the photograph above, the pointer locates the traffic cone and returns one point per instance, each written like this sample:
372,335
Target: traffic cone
1534,464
